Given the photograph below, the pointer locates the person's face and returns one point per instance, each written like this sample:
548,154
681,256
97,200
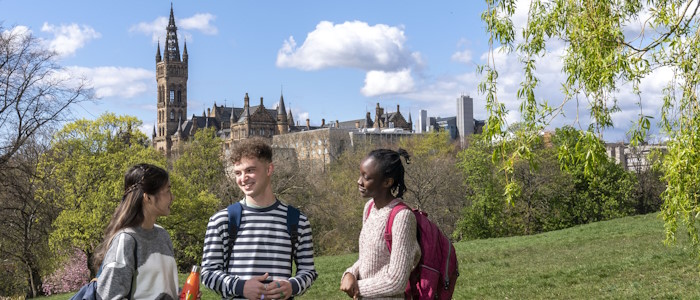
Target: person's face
252,176
371,183
159,204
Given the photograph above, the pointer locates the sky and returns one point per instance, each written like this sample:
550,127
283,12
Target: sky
332,60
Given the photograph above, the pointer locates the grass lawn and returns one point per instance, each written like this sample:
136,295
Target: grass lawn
618,259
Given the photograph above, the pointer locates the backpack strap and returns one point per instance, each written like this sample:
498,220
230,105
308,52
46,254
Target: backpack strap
293,227
387,230
235,211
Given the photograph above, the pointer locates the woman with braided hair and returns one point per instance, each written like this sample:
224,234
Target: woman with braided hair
380,273
136,255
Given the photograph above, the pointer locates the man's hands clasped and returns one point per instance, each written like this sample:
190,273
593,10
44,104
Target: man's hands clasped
254,288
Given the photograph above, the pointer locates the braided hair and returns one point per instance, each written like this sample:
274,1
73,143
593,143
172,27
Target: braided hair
390,166
139,179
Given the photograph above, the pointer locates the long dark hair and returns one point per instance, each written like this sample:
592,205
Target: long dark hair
139,179
390,166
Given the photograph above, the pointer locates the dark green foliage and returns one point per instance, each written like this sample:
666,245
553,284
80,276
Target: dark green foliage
556,188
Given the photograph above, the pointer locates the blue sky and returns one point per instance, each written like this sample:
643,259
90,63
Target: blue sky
332,59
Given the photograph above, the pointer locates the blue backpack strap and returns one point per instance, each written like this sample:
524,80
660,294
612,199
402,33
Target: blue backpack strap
293,227
234,222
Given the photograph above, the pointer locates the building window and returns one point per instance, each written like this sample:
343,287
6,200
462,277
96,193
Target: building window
172,116
172,96
179,96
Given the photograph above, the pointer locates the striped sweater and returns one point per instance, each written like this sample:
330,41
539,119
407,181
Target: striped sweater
262,246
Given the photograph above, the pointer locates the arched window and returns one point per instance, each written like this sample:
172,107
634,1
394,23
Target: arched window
179,96
172,96
172,115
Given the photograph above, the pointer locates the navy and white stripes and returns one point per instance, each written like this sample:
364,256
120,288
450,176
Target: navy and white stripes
263,246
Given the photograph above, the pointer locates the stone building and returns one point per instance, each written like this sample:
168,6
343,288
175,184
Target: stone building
230,123
635,159
315,146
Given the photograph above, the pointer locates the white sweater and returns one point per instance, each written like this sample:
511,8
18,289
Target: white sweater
380,274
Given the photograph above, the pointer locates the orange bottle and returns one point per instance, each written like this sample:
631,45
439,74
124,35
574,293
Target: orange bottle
191,288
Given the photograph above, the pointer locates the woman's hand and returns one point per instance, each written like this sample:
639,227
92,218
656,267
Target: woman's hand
348,284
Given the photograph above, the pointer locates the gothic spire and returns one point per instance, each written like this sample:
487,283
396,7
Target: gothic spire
172,48
184,52
158,57
290,118
281,109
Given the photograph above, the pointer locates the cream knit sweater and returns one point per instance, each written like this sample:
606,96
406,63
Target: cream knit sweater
380,274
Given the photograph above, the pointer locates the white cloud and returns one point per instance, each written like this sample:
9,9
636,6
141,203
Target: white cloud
69,38
116,81
199,22
382,83
301,118
202,22
462,56
18,30
352,45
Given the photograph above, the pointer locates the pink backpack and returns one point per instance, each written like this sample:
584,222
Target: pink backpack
436,274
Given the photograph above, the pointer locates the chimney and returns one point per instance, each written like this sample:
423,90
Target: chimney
208,112
308,125
397,108
323,122
357,124
337,124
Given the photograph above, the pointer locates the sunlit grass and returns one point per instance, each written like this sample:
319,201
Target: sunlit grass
623,258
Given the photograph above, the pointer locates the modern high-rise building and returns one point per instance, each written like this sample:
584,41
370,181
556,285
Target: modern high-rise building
465,118
422,121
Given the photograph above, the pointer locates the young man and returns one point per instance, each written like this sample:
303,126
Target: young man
260,262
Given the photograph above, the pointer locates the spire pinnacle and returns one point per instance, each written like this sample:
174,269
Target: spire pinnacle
158,57
172,48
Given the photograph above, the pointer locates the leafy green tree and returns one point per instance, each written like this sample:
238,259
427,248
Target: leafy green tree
83,175
197,178
599,57
484,216
603,190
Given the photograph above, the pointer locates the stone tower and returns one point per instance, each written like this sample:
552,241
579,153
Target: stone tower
282,120
171,78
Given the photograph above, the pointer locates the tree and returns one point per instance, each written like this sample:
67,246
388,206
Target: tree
434,183
599,57
199,184
83,175
25,222
484,215
33,92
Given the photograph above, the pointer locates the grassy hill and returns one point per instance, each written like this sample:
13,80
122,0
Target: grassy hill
623,259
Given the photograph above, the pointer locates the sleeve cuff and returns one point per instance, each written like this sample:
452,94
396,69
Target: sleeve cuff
238,287
295,286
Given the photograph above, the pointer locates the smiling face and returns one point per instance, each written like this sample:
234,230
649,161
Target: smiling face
252,176
371,183
158,205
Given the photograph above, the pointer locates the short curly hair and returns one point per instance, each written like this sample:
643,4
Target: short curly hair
252,148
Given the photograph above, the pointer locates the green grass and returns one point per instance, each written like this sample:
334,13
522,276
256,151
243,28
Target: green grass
618,259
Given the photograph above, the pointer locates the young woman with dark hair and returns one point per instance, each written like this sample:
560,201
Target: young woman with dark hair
379,273
136,255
